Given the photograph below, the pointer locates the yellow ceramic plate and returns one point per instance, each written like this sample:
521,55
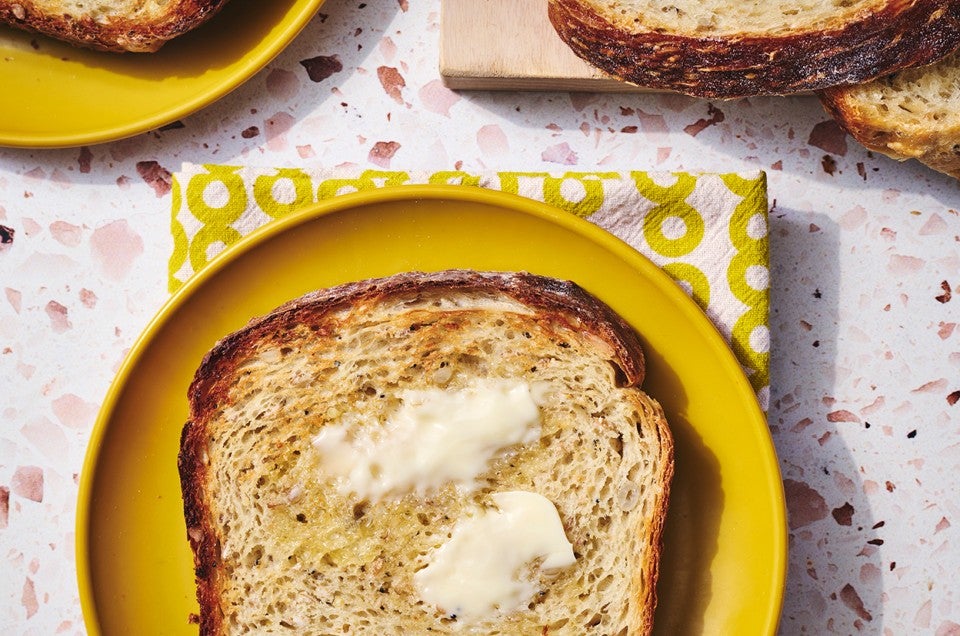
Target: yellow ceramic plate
725,545
55,94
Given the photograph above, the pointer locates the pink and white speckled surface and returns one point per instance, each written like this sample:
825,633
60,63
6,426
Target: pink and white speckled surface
865,279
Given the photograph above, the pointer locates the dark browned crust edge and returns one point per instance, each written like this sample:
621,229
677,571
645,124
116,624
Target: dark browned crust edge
210,386
118,35
902,35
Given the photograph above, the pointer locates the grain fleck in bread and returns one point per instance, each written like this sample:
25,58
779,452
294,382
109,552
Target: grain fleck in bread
913,114
723,49
278,547
110,25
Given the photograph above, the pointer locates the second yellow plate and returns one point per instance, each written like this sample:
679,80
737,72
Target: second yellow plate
55,94
724,551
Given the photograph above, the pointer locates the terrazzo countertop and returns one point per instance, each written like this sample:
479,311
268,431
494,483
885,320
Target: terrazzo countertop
865,282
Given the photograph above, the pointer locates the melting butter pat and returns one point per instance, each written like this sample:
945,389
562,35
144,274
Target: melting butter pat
479,570
435,436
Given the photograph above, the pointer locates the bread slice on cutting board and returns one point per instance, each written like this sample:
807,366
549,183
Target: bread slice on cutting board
719,49
912,114
343,471
110,25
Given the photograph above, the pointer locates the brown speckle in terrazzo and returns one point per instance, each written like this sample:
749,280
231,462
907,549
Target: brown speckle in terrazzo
828,136
947,293
829,164
862,170
912,434
817,293
6,235
843,515
392,82
852,599
697,127
250,132
953,398
943,524
804,504
4,506
27,482
890,486
85,159
321,67
155,176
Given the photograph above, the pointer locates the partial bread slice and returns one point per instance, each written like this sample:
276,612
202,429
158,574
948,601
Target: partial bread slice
913,114
279,548
724,49
123,25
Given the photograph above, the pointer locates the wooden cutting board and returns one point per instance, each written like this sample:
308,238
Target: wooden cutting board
511,45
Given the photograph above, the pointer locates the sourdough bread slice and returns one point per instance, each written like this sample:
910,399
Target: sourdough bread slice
913,114
279,543
110,25
723,49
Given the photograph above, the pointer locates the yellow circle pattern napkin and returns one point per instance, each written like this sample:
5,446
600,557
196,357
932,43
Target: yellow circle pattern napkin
707,231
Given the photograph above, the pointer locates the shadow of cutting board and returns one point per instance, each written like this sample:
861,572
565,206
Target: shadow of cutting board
511,45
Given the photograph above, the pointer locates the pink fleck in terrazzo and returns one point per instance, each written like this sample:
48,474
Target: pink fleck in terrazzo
382,152
392,82
437,98
561,154
58,314
27,482
114,248
276,129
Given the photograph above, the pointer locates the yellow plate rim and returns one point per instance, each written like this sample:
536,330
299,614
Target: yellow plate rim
301,13
343,203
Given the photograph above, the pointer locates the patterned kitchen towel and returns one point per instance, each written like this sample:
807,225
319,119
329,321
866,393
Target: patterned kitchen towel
707,231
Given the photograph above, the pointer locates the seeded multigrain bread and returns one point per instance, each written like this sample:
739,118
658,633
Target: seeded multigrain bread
913,114
110,25
280,548
723,49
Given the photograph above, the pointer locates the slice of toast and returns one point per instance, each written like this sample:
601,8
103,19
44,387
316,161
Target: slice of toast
913,114
723,49
119,26
286,535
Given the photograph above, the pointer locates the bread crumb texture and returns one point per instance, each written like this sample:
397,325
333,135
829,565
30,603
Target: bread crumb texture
298,556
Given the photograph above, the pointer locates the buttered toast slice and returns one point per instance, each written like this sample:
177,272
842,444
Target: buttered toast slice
453,452
118,25
725,49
